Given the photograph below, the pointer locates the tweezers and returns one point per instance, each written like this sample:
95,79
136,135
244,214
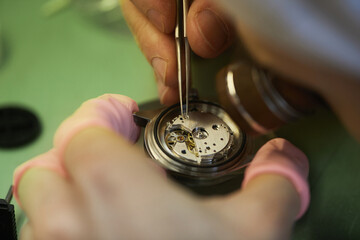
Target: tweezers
182,54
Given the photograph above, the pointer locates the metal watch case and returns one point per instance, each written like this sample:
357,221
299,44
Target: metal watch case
205,148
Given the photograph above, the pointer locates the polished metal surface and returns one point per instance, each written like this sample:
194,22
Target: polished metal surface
203,138
183,54
207,147
235,99
272,98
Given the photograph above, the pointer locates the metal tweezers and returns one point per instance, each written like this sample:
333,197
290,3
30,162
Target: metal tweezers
182,53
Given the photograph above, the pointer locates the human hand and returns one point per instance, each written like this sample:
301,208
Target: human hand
312,45
296,40
100,186
153,23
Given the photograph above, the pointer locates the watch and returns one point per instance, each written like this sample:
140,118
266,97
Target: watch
204,148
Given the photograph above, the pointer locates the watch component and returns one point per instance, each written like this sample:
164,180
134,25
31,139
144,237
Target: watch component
183,53
260,101
206,147
201,138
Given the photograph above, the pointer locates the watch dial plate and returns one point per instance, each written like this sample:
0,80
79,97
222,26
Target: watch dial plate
206,145
200,137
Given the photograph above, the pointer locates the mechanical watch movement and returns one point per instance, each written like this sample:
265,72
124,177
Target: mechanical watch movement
204,148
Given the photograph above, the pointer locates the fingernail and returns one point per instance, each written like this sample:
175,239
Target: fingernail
213,29
160,66
156,18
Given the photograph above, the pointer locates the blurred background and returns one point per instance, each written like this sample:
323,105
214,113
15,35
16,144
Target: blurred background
56,54
53,60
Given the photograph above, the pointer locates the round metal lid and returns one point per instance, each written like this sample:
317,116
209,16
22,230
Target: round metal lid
205,145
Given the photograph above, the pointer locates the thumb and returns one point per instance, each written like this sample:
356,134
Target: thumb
111,111
274,194
209,31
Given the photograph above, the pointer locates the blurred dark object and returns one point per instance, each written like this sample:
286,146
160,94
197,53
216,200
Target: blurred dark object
7,218
260,102
18,127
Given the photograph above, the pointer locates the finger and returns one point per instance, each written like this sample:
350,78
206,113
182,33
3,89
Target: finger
161,14
270,196
167,95
48,160
269,201
26,232
49,203
158,47
278,156
97,154
107,169
111,111
209,30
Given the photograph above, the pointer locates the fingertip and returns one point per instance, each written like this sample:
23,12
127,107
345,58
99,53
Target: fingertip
163,22
161,14
26,232
209,31
48,160
110,111
169,96
269,201
165,69
122,99
31,183
279,157
279,148
45,194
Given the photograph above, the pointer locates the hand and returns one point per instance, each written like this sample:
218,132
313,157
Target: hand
297,40
275,35
153,23
100,186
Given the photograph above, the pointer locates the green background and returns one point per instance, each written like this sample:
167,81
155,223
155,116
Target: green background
52,64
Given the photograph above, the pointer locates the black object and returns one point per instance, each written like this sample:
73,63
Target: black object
18,126
7,218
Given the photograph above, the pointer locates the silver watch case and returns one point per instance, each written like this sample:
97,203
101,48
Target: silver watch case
204,149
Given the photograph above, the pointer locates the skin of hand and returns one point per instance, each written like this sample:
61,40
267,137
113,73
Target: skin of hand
107,188
340,89
210,32
153,23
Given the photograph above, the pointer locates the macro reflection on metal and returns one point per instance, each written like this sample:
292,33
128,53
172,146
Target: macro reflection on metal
235,100
202,138
260,101
183,54
205,148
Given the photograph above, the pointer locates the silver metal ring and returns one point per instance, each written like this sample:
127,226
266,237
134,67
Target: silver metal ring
207,147
234,98
272,98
